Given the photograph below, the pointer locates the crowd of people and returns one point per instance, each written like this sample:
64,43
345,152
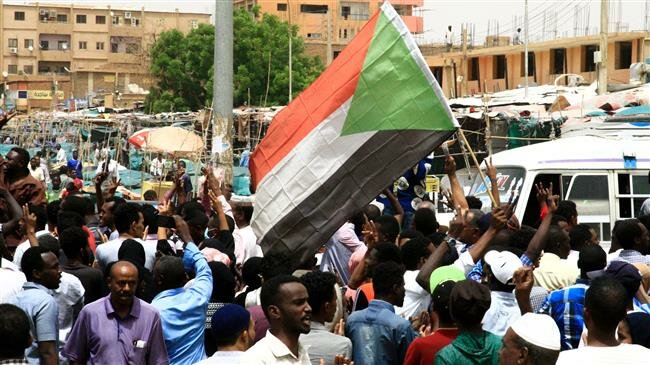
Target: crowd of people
102,280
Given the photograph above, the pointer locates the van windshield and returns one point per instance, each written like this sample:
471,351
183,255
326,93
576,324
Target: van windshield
507,179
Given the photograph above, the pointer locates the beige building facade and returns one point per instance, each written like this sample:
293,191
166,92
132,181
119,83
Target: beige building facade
56,52
492,69
327,26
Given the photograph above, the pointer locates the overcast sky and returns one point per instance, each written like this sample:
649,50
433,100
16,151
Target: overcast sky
547,18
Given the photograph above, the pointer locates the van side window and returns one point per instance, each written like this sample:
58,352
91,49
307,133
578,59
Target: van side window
632,191
591,195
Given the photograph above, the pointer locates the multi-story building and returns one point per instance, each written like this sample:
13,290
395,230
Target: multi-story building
502,67
56,52
328,25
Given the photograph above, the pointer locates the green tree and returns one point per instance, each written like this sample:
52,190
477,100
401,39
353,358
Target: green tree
183,64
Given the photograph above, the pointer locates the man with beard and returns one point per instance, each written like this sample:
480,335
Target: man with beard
285,304
379,336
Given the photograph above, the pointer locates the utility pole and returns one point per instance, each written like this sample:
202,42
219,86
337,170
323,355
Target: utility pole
465,66
222,99
602,67
329,36
290,51
526,47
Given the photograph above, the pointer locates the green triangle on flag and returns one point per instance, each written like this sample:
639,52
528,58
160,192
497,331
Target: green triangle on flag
393,91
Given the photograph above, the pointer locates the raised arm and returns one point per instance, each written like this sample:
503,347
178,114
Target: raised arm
457,193
370,238
492,175
536,244
497,222
397,207
15,212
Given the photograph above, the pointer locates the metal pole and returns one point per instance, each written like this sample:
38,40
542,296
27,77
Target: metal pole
602,67
290,51
223,85
526,47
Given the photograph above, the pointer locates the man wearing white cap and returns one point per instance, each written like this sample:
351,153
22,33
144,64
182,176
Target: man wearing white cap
500,267
532,339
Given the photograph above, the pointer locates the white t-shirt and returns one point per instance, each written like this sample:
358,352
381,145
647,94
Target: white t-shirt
246,244
108,252
70,298
622,354
12,281
416,299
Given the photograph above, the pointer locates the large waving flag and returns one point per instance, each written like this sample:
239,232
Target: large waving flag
371,115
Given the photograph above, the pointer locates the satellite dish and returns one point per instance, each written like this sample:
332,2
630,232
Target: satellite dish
66,69
64,46
30,48
5,74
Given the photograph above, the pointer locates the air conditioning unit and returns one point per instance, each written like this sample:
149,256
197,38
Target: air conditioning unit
127,15
53,14
13,50
43,12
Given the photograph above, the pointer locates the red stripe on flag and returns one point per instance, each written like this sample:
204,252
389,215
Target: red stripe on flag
326,94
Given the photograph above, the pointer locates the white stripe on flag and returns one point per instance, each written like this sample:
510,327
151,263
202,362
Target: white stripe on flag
314,160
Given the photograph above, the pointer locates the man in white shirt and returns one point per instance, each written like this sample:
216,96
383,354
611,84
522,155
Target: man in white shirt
234,332
499,271
245,240
129,222
157,165
285,304
60,154
36,170
416,300
605,307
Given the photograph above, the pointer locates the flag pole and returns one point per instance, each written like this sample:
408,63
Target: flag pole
478,167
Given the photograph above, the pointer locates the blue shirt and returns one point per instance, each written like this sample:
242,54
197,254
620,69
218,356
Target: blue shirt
183,311
43,314
378,335
76,166
566,306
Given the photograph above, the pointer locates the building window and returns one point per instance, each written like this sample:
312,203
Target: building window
62,18
558,60
531,64
114,47
335,54
194,24
354,11
281,7
44,45
99,46
588,57
100,19
83,45
29,43
132,48
161,21
19,15
12,69
62,45
28,69
473,69
115,20
623,55
313,35
13,42
437,73
499,67
313,9
81,19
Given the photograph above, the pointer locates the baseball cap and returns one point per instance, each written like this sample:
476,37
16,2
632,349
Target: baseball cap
538,329
444,273
503,264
